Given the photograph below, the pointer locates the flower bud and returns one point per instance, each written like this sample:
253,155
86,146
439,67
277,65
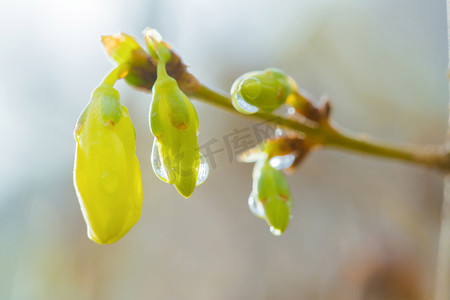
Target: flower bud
270,198
174,123
260,90
121,47
107,176
124,49
158,49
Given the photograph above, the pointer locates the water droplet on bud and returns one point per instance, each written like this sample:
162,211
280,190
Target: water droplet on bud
256,206
278,132
275,231
203,170
157,164
291,111
243,105
282,162
250,88
160,170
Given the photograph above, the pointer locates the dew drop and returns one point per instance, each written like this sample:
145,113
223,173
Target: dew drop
160,170
256,206
203,170
279,132
157,164
250,88
109,182
291,111
282,162
244,105
275,231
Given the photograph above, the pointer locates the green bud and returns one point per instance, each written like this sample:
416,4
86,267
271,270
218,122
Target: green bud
174,123
278,214
260,90
271,198
124,49
156,46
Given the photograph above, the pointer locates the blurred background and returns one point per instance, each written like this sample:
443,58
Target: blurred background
363,228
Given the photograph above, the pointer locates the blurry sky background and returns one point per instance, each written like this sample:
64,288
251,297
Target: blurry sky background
362,227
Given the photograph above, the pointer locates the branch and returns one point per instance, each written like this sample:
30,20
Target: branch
326,134
318,132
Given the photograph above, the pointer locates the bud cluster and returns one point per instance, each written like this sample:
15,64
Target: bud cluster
107,174
266,91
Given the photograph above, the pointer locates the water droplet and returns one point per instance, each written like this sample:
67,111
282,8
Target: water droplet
291,110
278,132
250,88
203,170
244,105
109,182
160,170
157,164
282,162
275,231
256,206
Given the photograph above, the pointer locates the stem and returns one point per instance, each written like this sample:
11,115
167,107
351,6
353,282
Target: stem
426,156
117,73
161,70
207,95
328,135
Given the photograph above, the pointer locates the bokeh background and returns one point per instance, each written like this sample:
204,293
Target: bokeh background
363,228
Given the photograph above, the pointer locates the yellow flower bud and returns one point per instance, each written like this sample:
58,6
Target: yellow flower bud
106,173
